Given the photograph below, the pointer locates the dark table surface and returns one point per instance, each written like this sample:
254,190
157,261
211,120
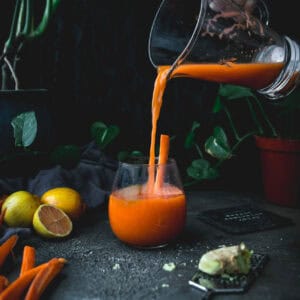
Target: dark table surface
101,267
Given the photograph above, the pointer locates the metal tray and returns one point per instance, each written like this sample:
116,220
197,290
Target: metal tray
228,284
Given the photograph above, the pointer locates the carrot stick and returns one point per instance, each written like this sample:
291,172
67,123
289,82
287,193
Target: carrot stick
18,286
3,283
28,259
42,280
162,160
7,247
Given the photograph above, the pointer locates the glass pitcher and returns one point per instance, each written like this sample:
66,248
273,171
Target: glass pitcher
225,41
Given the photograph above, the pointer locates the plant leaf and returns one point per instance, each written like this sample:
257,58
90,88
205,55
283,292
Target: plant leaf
200,169
200,164
221,137
233,92
105,137
190,138
123,155
215,149
25,129
97,128
212,173
218,106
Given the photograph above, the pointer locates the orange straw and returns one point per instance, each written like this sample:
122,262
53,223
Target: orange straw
162,160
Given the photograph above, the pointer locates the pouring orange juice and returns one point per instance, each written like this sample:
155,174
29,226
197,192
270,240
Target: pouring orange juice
147,207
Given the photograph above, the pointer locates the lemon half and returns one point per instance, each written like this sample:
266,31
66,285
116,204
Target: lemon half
51,222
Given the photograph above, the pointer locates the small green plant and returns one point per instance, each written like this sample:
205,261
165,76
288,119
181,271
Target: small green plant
24,28
278,120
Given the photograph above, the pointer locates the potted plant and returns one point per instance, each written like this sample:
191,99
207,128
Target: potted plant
275,130
27,21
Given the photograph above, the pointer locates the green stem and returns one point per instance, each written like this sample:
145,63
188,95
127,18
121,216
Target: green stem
199,150
254,117
267,120
50,8
235,146
28,19
14,24
236,135
21,19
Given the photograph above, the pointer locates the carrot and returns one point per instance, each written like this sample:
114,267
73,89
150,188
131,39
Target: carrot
162,160
3,283
28,259
42,280
18,286
7,247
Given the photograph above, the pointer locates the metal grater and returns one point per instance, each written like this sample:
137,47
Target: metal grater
228,284
243,219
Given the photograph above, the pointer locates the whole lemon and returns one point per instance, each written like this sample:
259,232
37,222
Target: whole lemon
19,209
65,198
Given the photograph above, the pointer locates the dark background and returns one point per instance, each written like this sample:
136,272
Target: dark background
93,58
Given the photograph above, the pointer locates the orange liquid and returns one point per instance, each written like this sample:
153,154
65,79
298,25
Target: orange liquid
148,217
252,75
141,219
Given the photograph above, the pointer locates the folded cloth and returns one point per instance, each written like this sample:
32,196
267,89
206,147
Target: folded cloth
92,177
6,232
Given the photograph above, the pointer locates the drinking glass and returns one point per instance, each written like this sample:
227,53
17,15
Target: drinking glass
147,205
231,33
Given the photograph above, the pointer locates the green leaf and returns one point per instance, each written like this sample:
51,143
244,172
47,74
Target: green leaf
217,105
233,92
200,164
103,138
123,155
221,137
200,169
97,128
65,154
212,173
25,129
137,153
215,149
194,173
190,138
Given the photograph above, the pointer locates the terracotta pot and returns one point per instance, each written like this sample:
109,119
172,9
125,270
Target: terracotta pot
280,166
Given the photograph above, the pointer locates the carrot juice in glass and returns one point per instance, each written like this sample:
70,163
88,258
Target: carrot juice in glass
143,213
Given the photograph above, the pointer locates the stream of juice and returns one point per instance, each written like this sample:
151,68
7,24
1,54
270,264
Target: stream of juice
144,217
253,75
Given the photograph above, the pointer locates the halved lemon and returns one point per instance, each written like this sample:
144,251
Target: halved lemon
51,222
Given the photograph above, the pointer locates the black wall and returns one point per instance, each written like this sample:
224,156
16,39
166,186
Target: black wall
94,60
